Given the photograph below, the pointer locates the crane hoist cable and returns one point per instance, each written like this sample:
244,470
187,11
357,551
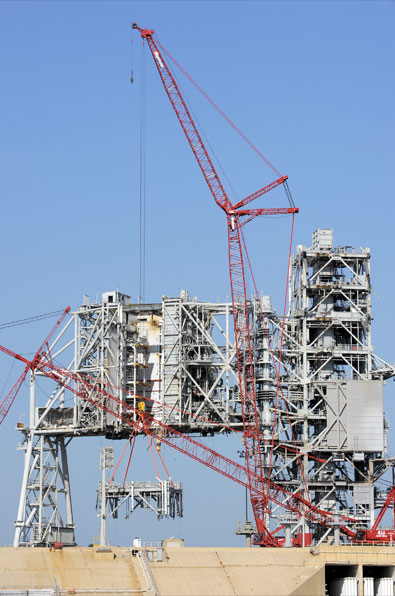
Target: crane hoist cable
228,120
131,58
142,170
150,448
279,369
33,319
142,205
133,433
130,456
149,435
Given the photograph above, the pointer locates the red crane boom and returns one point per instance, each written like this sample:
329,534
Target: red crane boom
389,500
11,395
234,216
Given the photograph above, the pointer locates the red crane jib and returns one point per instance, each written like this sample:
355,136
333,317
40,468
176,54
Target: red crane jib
236,218
7,402
375,535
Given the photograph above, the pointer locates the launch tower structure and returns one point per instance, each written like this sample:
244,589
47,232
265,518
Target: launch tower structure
176,356
322,425
334,383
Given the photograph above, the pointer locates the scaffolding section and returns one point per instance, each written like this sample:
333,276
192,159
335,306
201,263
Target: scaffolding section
164,498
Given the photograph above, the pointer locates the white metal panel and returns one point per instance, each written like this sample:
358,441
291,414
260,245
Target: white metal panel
365,416
344,586
323,239
355,416
172,359
362,494
368,586
384,586
336,400
350,586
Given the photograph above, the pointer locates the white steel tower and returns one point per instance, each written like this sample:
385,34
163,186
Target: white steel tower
322,422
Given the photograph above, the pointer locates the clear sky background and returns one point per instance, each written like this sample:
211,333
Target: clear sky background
312,85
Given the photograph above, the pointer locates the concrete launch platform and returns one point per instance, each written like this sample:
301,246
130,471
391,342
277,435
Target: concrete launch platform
175,570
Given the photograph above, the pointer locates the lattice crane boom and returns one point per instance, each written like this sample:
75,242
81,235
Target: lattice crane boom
234,216
390,500
7,402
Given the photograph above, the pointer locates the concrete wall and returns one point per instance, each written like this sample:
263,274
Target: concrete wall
184,571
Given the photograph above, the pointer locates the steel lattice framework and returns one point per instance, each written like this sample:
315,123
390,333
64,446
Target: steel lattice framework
178,358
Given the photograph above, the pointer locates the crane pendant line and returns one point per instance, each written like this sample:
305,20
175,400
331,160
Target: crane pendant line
234,214
218,109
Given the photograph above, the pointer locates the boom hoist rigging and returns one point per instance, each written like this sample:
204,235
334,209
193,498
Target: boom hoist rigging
237,216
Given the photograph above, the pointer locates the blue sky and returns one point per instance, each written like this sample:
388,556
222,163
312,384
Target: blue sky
311,83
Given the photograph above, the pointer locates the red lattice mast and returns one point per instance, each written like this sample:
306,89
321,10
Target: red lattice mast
236,216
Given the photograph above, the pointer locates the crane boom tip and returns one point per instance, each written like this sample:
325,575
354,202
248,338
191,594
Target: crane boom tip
144,32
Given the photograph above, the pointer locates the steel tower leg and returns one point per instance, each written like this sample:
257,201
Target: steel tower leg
20,524
45,511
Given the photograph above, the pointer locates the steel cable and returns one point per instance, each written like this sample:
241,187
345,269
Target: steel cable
47,315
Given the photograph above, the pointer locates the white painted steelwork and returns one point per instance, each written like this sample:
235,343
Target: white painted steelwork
177,360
